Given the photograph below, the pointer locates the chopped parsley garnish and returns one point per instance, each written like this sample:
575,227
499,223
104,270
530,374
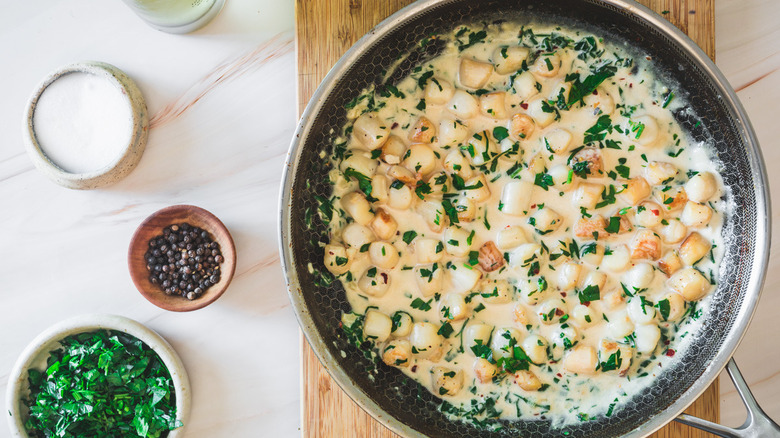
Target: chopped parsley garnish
588,48
473,38
424,78
599,131
544,180
549,106
428,273
676,154
500,133
364,182
534,268
446,330
324,208
470,238
636,127
517,361
613,362
590,248
473,258
388,90
614,225
581,169
664,308
623,170
396,319
459,184
668,99
590,293
614,403
409,236
483,351
607,196
422,305
580,89
422,189
514,171
102,383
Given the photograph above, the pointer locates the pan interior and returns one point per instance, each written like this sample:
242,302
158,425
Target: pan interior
709,120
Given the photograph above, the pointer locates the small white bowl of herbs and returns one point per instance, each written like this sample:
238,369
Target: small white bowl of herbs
98,375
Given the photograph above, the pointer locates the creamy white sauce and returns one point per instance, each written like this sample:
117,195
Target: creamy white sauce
565,396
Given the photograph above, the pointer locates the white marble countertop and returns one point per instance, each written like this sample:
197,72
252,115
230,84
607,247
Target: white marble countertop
222,102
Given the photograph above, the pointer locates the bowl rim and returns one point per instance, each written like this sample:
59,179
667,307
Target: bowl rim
228,249
124,162
91,322
315,105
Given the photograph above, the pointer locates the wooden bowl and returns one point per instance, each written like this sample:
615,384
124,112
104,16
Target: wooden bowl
152,227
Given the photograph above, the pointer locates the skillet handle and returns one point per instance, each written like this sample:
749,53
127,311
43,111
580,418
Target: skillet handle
757,425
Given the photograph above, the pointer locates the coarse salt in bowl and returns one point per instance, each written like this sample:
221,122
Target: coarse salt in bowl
86,125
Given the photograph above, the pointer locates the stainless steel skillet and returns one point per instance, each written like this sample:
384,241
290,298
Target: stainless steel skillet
715,116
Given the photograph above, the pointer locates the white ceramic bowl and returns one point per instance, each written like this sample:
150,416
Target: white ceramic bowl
36,353
124,162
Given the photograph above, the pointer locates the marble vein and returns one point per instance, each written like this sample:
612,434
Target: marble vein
268,51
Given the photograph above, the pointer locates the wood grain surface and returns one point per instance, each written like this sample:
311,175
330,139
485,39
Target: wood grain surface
325,29
152,227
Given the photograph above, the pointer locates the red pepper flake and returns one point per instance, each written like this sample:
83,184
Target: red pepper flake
670,352
414,368
524,105
533,206
656,212
595,93
666,342
558,312
563,294
586,304
394,125
559,375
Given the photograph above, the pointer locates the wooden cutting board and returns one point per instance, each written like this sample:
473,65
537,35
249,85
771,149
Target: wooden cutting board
325,29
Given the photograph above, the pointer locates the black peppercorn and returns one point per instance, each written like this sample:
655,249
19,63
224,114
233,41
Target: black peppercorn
184,260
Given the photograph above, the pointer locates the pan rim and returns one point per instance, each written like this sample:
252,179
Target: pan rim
730,101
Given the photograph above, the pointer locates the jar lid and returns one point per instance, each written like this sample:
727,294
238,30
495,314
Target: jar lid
90,129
